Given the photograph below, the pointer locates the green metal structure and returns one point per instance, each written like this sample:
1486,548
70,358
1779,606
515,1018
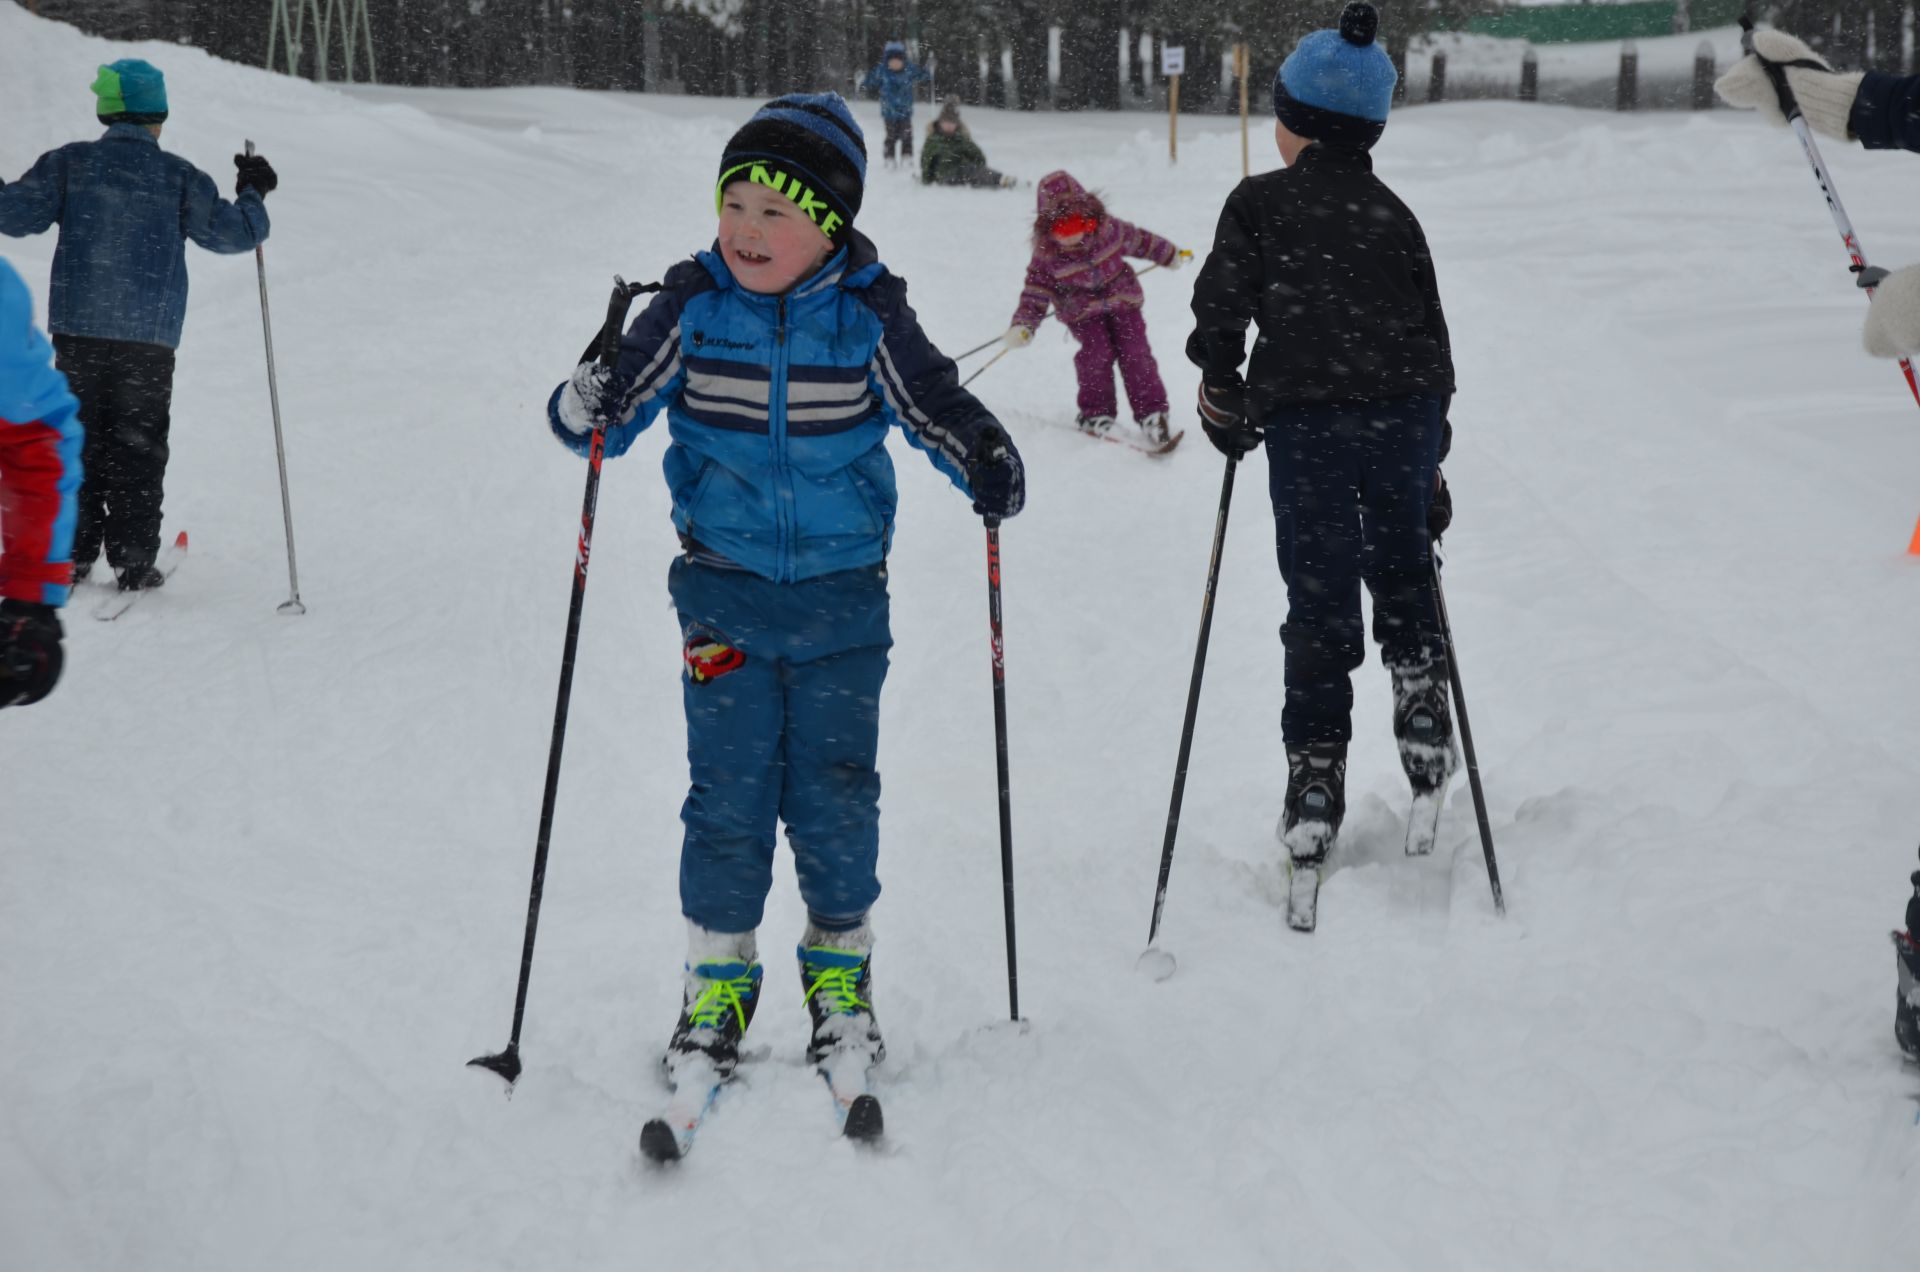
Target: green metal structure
1575,23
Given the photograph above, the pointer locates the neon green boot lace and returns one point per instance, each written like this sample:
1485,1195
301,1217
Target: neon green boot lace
723,994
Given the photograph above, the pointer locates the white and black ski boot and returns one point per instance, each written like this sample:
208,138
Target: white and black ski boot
1316,800
836,975
1906,1007
1153,427
722,988
1423,725
1098,425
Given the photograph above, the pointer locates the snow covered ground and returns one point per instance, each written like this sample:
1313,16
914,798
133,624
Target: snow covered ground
262,880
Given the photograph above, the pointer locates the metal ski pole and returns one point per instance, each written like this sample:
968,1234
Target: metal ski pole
507,1063
292,605
1466,740
1157,962
1790,107
983,366
1000,755
979,348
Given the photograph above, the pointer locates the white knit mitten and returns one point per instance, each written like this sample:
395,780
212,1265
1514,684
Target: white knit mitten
1825,96
1893,320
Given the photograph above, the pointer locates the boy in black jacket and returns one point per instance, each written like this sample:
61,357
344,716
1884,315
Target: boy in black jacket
1349,386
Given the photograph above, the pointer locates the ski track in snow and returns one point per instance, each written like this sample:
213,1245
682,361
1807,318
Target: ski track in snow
262,880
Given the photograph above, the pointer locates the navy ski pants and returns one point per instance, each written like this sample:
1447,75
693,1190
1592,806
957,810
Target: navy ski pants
1351,483
781,683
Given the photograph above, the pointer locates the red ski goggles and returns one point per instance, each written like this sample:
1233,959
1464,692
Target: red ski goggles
1077,223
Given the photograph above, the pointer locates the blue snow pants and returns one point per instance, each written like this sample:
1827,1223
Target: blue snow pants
781,683
1351,484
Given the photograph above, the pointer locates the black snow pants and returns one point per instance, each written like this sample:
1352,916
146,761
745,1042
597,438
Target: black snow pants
126,399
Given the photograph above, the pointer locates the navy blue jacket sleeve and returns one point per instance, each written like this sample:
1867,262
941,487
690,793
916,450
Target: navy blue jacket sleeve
649,367
216,224
920,387
34,202
1886,112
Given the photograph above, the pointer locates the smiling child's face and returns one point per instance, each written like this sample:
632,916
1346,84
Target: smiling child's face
767,242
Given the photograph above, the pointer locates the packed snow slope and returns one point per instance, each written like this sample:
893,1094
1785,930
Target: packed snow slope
262,880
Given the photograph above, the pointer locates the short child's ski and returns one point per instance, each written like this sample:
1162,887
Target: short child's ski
1126,439
1303,894
1423,822
114,604
857,1108
669,1137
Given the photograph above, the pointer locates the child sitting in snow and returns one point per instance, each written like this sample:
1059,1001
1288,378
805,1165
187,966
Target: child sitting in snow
1079,271
952,157
781,357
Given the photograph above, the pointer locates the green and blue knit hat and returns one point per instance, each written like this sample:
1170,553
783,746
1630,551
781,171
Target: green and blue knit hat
131,92
1336,86
808,147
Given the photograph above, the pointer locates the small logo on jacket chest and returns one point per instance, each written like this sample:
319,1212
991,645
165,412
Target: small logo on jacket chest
701,340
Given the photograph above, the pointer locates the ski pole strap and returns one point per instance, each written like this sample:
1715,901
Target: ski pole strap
617,305
1776,73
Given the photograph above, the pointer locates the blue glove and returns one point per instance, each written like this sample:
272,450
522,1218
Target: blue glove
996,476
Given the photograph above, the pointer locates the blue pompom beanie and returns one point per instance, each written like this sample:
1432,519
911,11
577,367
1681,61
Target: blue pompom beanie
1337,86
808,147
131,92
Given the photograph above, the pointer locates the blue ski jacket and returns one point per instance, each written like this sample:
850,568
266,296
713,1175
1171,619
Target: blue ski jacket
778,409
895,88
1886,112
40,445
125,209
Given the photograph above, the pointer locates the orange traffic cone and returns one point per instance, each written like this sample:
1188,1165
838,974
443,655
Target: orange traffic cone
1913,545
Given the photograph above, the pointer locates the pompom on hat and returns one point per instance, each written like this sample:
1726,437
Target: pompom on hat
1337,85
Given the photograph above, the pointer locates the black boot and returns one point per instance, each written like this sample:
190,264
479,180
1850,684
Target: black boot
139,578
1906,1006
1423,724
1316,799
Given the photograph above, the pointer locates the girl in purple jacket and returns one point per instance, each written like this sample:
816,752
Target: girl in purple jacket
1079,271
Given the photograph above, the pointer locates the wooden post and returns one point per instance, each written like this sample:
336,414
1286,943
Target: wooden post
1437,77
1240,61
1628,94
1173,119
1530,76
1703,76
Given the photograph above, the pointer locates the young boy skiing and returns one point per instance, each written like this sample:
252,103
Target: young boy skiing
40,440
1079,271
125,209
952,157
893,79
1349,386
781,357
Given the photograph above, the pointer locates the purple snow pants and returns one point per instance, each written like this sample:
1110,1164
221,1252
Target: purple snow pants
1119,336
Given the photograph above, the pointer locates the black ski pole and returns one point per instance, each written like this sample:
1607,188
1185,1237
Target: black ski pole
1163,967
507,1063
1466,740
1000,755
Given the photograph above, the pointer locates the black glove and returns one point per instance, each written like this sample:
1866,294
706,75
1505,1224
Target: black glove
30,655
255,174
1223,414
1440,510
996,475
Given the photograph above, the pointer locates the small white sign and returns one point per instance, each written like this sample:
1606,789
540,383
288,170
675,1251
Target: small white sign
1173,60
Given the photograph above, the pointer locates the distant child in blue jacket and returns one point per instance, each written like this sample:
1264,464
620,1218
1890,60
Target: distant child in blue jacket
893,79
125,209
781,357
